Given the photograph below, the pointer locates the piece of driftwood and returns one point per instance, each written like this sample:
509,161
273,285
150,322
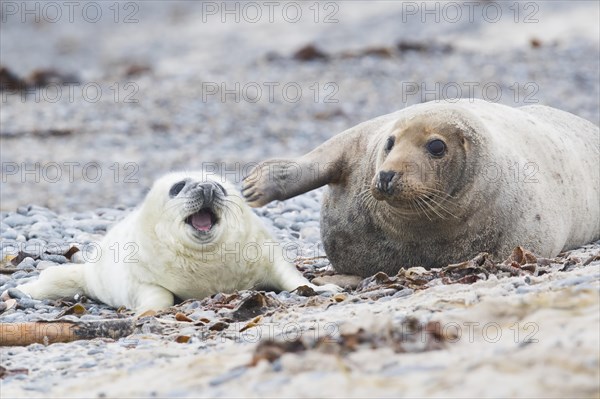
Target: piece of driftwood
49,332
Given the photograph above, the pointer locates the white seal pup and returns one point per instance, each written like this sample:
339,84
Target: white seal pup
191,237
437,183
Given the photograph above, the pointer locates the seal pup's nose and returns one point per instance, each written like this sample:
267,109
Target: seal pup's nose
206,191
384,182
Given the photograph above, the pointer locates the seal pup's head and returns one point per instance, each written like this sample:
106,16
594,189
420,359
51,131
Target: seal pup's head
191,209
422,166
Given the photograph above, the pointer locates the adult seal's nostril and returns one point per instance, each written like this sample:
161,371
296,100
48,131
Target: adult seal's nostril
385,179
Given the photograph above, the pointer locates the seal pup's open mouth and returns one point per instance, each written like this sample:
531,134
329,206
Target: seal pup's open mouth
203,220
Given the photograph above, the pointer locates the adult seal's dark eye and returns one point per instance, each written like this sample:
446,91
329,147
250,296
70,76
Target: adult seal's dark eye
176,189
389,144
437,148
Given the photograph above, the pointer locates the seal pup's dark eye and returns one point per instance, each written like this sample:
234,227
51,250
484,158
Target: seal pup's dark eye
176,189
437,148
389,144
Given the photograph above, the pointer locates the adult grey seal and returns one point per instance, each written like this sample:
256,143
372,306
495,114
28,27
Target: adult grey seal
437,183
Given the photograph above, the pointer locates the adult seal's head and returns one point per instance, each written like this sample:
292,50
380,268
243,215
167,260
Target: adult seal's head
423,166
190,209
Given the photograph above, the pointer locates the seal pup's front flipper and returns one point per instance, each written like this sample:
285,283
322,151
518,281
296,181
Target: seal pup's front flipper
284,276
150,297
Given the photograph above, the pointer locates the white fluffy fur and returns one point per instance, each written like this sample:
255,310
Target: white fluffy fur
160,256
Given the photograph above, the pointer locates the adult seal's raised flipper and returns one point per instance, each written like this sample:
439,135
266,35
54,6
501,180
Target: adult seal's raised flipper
437,183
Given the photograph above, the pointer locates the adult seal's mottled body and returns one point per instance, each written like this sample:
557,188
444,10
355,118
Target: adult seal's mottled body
437,183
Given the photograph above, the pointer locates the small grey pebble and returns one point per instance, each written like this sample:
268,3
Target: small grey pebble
27,303
284,295
40,219
192,305
9,234
281,223
296,226
44,235
54,258
57,248
34,246
312,223
277,366
92,225
13,317
83,215
41,226
307,203
71,231
5,286
27,263
2,307
15,293
40,210
19,274
321,263
95,351
291,208
35,347
88,364
403,293
17,220
300,218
